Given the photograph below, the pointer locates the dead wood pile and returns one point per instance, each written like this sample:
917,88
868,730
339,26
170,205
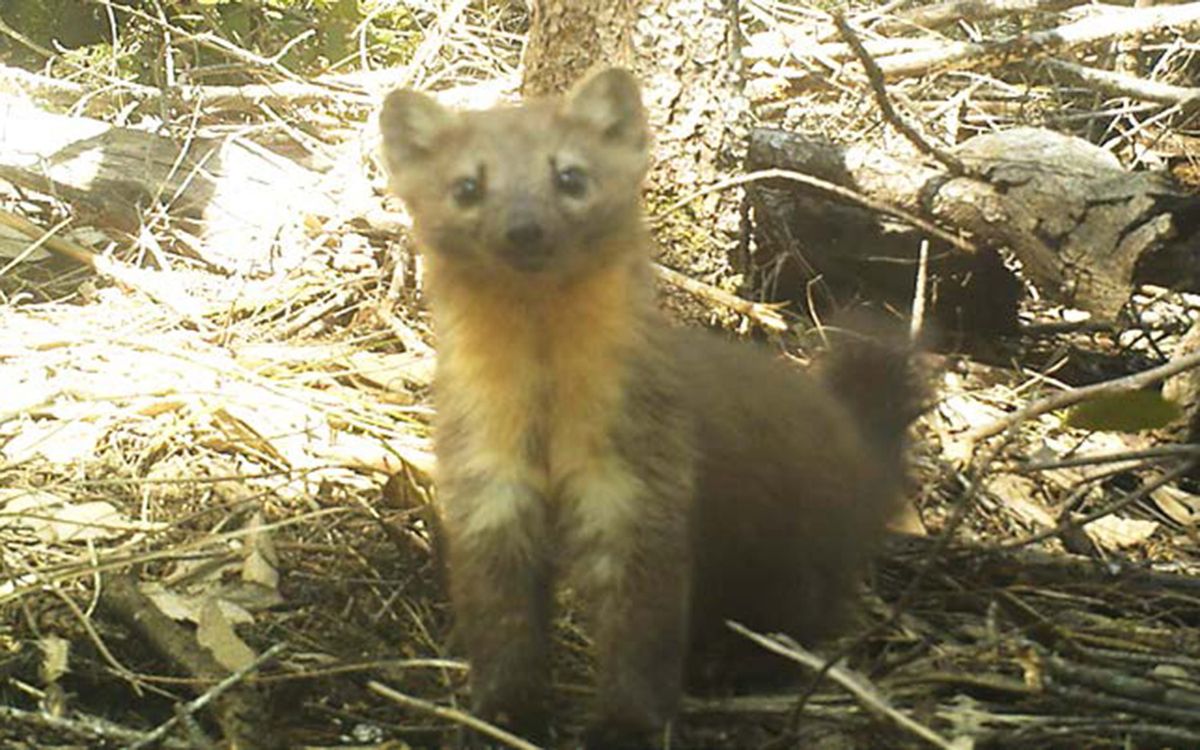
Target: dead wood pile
214,368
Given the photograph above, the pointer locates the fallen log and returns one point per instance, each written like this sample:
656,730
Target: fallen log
1085,230
234,205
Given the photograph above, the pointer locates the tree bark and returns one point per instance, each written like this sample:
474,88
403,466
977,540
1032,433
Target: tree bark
569,37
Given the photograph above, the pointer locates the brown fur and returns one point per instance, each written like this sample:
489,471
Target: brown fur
674,479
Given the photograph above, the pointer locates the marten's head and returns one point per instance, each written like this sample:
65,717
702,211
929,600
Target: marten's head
550,188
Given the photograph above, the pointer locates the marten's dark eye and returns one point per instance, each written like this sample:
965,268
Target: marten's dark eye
571,181
467,191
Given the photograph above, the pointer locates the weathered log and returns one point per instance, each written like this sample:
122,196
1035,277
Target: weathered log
237,206
1085,230
816,249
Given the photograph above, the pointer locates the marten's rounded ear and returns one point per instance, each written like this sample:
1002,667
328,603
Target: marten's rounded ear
611,102
412,125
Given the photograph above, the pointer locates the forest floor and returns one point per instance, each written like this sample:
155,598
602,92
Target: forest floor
215,464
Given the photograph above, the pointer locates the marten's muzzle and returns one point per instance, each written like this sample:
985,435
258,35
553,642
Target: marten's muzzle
525,247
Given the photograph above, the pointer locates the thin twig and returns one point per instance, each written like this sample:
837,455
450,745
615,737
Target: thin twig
1161,451
199,703
1122,502
452,714
1110,25
48,238
92,728
1064,399
24,40
875,77
763,314
828,187
920,293
857,685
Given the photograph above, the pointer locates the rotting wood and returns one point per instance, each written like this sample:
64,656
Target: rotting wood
1081,224
1184,389
810,243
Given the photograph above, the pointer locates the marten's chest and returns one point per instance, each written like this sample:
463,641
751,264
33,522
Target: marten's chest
534,384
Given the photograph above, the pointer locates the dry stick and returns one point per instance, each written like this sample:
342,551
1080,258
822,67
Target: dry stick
1063,399
374,665
191,707
919,293
138,279
32,247
432,43
234,713
763,314
1128,22
943,14
219,96
81,725
1139,695
102,648
875,14
875,78
1116,505
452,714
24,40
858,686
1121,84
1161,451
799,48
850,195
41,237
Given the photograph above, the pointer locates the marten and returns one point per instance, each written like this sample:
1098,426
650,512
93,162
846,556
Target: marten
671,478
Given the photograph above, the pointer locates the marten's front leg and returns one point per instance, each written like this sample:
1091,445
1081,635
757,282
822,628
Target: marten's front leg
500,589
631,561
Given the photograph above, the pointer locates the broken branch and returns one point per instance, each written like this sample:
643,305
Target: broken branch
1105,26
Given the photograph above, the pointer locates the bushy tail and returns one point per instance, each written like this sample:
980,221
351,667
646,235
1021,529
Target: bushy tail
870,366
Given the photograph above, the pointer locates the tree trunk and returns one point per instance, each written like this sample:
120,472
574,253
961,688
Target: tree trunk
569,37
686,54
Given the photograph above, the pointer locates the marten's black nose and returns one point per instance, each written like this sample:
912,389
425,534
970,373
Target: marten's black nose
525,235
526,248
